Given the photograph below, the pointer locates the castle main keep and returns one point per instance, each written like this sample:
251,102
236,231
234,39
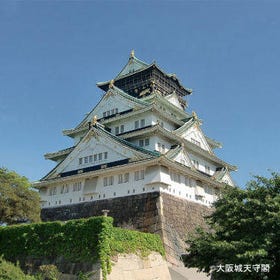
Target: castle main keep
140,154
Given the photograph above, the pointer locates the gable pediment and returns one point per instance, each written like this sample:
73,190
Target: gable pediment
97,148
224,176
192,132
179,155
173,99
114,101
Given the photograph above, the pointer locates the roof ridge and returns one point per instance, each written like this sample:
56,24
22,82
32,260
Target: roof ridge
128,96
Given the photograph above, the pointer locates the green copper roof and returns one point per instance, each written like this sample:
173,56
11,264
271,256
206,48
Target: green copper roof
129,97
134,64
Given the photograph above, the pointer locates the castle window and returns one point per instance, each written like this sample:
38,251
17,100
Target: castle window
80,160
175,177
90,158
77,186
195,142
108,181
139,175
104,114
117,130
142,123
95,157
64,189
122,128
144,142
195,163
161,147
126,177
53,191
100,156
136,124
105,155
120,179
207,169
86,159
114,193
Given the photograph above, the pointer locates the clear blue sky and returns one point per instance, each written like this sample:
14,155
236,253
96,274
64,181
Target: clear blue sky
52,53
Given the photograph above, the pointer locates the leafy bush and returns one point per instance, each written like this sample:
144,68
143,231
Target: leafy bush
131,241
49,272
9,271
84,240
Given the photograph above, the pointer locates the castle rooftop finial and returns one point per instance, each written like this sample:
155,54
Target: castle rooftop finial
194,115
132,54
111,83
94,120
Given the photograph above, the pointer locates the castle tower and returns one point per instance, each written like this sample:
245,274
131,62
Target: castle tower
142,156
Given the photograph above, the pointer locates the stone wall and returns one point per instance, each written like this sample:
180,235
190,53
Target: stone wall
179,218
135,212
133,267
171,217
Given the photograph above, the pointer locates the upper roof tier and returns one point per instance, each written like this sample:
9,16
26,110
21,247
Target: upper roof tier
139,79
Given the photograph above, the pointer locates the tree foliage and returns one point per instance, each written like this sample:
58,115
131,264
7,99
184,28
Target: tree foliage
244,231
18,203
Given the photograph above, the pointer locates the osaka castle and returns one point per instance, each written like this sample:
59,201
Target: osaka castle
139,141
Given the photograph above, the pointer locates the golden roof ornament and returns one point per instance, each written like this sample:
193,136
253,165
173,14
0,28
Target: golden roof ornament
132,54
94,120
111,83
194,115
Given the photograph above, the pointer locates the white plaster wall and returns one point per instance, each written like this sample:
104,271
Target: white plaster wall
203,163
116,190
157,178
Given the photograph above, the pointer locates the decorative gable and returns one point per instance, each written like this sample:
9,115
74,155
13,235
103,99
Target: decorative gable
99,148
173,99
134,64
192,132
223,175
112,103
179,155
183,158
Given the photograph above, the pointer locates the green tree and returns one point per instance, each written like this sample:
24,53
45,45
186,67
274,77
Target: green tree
18,202
244,230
